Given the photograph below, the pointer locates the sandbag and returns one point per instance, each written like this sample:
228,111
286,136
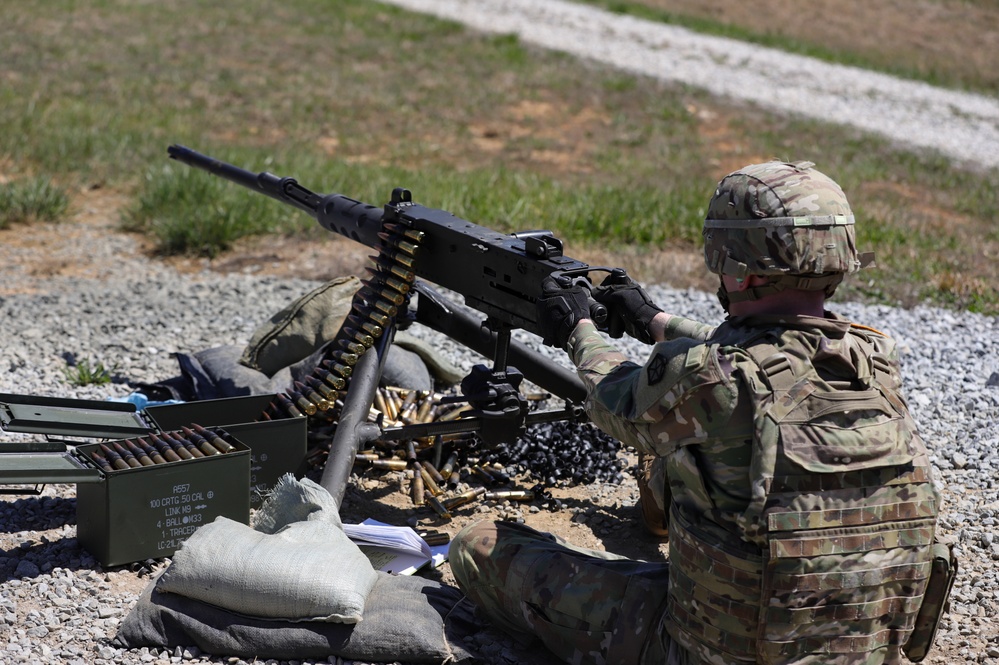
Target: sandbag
307,571
406,619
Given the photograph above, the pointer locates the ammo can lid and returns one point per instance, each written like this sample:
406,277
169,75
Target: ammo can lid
70,417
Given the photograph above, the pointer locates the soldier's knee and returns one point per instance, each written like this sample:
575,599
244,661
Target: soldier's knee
469,549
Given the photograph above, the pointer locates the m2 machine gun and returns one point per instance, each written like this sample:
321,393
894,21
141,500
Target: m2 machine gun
498,275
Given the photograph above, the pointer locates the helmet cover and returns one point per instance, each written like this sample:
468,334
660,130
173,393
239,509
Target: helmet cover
779,218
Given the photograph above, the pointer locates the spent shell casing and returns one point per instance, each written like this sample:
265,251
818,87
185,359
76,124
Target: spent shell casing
463,498
417,491
125,455
448,467
366,457
379,401
139,453
481,474
438,507
510,495
101,461
390,464
428,481
434,473
434,538
215,438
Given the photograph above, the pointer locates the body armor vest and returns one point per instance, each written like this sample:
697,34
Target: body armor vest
837,537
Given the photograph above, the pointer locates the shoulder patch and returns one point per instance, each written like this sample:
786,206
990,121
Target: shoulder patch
656,370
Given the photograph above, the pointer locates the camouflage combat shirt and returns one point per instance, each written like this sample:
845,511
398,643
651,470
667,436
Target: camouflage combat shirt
690,403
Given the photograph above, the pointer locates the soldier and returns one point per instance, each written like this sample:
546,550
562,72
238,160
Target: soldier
777,453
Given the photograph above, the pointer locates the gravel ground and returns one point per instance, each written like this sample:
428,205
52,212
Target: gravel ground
58,605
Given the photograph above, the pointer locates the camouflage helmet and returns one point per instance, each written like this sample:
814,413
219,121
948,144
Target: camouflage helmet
788,221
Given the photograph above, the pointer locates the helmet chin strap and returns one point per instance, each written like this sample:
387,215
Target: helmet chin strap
778,283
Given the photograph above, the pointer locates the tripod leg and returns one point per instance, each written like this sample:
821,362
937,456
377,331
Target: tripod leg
353,429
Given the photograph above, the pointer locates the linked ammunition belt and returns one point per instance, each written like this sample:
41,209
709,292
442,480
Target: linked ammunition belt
163,448
373,309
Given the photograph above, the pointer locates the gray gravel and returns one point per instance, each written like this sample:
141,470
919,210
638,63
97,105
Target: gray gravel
58,605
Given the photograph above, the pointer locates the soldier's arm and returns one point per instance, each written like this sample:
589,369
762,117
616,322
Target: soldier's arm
666,327
634,402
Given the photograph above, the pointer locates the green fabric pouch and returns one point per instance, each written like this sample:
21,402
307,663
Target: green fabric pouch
302,327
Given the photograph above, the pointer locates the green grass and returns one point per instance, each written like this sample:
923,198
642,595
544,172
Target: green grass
361,98
33,199
86,373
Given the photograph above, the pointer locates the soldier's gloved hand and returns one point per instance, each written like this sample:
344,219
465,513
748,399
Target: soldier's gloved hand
628,302
561,306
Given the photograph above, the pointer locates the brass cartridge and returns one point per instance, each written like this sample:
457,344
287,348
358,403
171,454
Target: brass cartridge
406,232
417,489
438,507
312,396
176,446
390,464
101,460
151,452
125,455
510,495
187,444
138,453
349,359
463,498
323,389
200,442
114,458
336,382
383,320
286,405
448,467
215,438
428,481
304,405
352,347
434,473
335,367
169,454
368,327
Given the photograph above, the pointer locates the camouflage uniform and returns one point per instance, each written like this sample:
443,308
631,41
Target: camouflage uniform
802,511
